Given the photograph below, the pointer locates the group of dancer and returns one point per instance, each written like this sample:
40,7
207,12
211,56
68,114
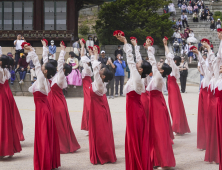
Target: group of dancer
149,133
209,128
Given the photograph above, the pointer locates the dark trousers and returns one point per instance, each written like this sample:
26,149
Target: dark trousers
121,80
183,81
110,85
22,75
184,21
17,56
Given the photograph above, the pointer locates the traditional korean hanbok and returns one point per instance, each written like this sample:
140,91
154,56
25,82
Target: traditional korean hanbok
46,143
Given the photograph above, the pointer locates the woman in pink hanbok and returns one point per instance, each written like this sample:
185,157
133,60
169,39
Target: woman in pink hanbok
74,78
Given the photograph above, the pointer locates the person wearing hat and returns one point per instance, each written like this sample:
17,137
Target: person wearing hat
22,67
103,59
109,62
52,51
218,23
119,51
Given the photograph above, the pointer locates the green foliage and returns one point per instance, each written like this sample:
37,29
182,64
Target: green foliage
84,28
217,15
137,18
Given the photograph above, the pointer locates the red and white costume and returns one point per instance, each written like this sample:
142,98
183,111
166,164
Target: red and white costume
177,110
46,144
9,139
67,139
87,81
211,154
101,141
137,150
202,105
159,121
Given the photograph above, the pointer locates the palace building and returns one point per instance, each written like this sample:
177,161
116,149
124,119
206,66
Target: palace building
35,19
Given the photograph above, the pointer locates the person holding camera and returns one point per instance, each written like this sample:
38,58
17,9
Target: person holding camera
110,85
183,74
18,48
119,74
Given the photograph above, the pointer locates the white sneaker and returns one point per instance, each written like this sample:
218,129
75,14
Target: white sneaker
116,95
179,7
108,97
112,97
22,82
122,95
74,87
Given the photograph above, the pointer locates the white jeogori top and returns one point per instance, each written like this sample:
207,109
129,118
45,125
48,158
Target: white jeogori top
204,71
157,82
7,74
98,86
216,65
175,69
146,80
87,71
135,83
41,84
60,78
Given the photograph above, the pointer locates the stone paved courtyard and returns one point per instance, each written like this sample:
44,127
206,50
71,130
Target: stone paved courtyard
186,154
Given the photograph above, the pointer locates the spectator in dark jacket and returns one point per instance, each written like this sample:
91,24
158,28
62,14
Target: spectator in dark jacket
22,67
119,75
119,51
212,26
203,16
206,10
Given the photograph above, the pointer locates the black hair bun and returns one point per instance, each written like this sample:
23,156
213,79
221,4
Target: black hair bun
167,70
147,68
177,59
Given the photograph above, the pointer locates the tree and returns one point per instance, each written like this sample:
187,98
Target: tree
137,18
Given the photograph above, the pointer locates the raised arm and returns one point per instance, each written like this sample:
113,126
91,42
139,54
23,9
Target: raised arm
98,85
45,53
61,62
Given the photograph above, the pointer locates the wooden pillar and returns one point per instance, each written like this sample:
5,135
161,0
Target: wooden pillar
72,16
38,15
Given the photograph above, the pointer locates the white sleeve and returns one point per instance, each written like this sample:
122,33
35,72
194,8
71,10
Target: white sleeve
2,77
175,70
45,54
0,50
61,75
98,85
137,52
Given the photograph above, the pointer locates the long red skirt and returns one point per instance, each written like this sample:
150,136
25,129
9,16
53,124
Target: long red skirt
159,130
87,81
46,144
15,111
178,114
145,100
137,150
201,119
101,141
211,154
9,140
67,139
219,125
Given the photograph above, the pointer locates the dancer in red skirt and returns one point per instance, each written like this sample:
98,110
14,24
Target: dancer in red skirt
13,106
9,140
67,139
177,110
202,105
87,81
211,154
101,141
137,151
218,93
46,144
159,122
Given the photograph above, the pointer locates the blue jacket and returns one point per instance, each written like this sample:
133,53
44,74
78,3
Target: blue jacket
119,68
52,49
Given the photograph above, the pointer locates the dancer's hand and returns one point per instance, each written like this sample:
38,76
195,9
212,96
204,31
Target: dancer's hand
133,41
43,43
81,43
121,38
164,42
195,51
